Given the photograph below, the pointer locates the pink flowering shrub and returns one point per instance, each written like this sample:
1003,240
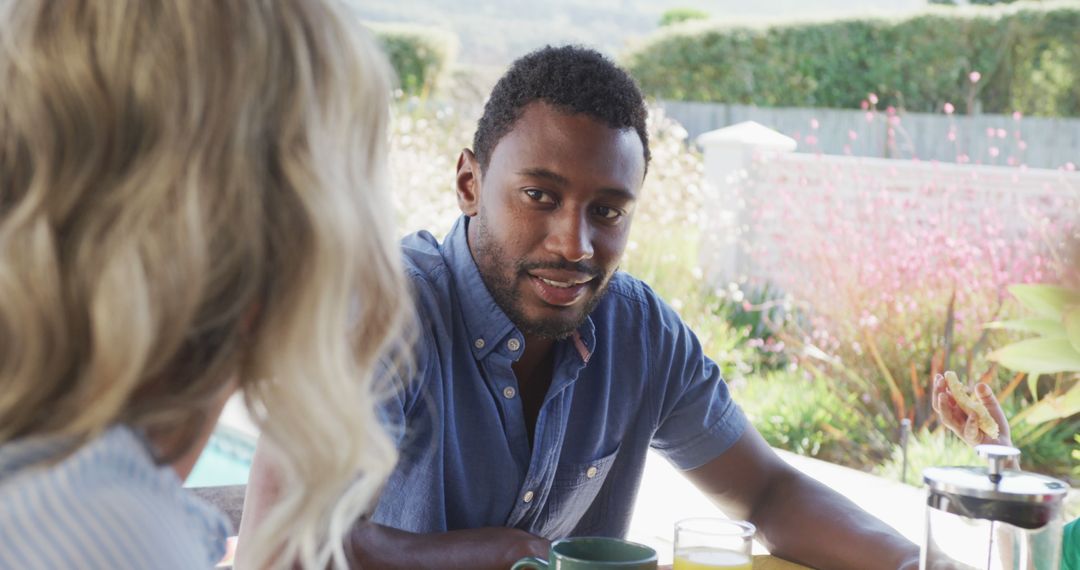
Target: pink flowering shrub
898,267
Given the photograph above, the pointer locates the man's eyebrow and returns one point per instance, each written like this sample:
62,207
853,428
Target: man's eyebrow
560,180
619,193
540,172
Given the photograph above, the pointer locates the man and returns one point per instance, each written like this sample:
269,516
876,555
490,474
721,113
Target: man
544,375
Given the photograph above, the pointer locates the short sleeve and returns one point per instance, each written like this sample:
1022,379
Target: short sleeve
402,377
697,419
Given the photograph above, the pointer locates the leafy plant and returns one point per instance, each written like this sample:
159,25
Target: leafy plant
679,15
1024,56
1076,458
420,55
927,448
1049,447
808,415
756,312
1055,349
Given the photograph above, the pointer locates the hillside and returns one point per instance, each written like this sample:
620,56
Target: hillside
494,32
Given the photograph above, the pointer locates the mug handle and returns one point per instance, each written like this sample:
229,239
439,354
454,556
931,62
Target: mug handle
530,562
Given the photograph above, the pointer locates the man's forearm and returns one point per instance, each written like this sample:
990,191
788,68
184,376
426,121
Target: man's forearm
827,530
375,546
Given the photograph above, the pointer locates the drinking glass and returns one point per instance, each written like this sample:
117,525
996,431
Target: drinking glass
713,544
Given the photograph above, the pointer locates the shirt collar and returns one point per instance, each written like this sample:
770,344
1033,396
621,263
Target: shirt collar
485,322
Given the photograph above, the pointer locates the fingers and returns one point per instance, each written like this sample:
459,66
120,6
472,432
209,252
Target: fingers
949,413
936,393
971,432
986,394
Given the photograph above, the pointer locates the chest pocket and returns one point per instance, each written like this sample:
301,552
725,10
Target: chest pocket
573,491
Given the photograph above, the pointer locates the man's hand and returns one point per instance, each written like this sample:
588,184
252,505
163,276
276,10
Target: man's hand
967,425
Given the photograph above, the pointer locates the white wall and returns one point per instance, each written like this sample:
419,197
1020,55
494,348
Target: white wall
749,167
1048,142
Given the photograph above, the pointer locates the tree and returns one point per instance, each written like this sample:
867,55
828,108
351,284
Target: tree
677,15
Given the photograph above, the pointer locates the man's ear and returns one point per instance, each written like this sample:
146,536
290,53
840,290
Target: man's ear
468,183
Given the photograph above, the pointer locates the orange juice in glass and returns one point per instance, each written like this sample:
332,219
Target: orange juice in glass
713,544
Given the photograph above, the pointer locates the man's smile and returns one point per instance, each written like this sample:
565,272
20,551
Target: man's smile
560,288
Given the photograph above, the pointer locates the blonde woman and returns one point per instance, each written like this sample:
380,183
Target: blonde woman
191,203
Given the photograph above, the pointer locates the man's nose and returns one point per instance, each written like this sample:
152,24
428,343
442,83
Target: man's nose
571,237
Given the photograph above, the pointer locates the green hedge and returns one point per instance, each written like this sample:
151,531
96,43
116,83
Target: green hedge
1027,55
420,55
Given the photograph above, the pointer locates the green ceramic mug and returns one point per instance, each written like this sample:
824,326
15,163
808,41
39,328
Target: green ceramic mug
593,553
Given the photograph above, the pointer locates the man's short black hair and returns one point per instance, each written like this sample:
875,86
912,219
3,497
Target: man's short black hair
573,79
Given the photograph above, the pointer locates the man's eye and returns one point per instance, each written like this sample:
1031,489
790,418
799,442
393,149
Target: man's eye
539,196
606,212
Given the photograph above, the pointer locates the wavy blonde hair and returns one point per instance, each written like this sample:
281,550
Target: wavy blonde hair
192,191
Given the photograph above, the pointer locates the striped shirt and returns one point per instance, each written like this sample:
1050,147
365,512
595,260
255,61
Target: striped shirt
105,506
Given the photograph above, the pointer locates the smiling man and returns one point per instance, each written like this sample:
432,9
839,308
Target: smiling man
544,375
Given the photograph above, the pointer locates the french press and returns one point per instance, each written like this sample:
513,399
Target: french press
992,518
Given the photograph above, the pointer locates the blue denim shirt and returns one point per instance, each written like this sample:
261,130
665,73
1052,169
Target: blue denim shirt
632,377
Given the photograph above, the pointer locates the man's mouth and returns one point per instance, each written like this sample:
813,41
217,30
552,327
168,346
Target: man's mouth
562,284
560,290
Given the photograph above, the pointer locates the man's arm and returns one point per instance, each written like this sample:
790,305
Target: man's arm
494,548
375,546
798,518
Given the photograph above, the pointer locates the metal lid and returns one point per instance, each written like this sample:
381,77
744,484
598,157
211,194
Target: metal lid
1027,500
1014,487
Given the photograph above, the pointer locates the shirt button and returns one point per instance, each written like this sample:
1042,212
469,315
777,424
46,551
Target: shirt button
513,344
591,472
509,392
528,497
479,343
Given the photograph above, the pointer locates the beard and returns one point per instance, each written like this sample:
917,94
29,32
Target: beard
502,275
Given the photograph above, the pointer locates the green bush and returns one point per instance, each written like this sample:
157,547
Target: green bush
680,15
1049,448
1047,452
420,55
808,415
927,448
1024,54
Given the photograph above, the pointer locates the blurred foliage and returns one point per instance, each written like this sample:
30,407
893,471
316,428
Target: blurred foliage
679,15
755,313
420,55
1024,54
1076,458
809,415
928,448
1055,316
1049,448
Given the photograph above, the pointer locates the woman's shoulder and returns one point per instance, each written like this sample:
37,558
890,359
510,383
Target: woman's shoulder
106,505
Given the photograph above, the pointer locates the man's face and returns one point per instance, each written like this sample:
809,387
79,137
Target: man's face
550,215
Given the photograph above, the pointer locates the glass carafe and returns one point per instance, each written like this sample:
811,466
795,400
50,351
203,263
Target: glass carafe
991,518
